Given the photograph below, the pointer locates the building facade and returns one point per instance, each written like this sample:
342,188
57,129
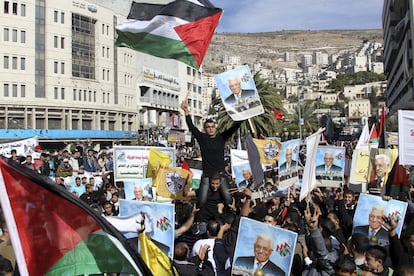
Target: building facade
60,69
398,30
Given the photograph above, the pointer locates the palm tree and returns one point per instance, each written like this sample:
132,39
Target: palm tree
306,113
264,124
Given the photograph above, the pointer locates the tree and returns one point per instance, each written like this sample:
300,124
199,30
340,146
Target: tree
264,124
309,119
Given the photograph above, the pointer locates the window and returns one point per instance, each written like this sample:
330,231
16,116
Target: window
14,35
6,6
74,94
55,41
90,95
107,75
62,68
6,34
6,62
6,90
103,97
14,91
55,67
107,52
84,95
15,8
80,95
62,93
23,63
56,92
62,42
188,70
22,36
23,9
23,91
56,15
14,63
103,74
94,96
103,51
62,17
107,29
103,28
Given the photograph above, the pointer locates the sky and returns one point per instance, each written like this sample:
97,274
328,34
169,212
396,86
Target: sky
275,15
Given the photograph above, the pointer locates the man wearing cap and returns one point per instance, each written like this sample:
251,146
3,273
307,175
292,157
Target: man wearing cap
64,169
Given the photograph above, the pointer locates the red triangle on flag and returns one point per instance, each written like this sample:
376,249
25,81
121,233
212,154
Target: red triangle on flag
185,166
373,136
197,35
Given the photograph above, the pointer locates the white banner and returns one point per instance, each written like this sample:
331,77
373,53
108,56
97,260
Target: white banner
22,147
406,136
309,176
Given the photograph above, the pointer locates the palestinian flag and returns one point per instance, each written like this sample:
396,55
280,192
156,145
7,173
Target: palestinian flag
54,233
382,142
179,30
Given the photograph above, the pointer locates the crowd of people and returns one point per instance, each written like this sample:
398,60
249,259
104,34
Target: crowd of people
207,224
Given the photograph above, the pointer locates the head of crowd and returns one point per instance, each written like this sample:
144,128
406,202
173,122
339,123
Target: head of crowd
206,230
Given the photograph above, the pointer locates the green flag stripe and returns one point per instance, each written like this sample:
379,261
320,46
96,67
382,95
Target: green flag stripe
157,46
95,255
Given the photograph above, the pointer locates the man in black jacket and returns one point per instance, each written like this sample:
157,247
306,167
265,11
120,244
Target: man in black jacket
212,145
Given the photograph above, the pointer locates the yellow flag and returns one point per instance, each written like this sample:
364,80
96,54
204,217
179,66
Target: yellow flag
171,181
156,160
269,150
155,259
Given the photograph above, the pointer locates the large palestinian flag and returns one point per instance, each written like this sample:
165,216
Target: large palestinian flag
179,30
54,233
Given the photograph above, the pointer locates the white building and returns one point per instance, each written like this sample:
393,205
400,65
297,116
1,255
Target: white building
359,108
61,70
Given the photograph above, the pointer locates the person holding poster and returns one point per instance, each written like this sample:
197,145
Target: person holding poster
212,145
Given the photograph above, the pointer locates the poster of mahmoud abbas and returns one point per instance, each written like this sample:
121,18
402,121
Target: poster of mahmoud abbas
274,247
138,189
239,164
131,162
330,165
371,209
159,221
239,94
289,163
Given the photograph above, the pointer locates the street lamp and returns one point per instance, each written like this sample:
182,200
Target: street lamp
300,117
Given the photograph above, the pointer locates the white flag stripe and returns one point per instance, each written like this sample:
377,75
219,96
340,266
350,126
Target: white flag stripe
364,138
12,227
161,25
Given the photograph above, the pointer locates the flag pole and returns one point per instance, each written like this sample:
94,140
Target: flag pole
190,88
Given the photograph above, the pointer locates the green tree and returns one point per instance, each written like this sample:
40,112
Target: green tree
306,113
353,79
264,124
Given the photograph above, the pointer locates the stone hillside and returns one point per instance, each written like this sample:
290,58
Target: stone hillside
269,48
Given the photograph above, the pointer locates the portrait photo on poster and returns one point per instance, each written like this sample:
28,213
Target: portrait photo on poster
239,94
262,248
330,164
